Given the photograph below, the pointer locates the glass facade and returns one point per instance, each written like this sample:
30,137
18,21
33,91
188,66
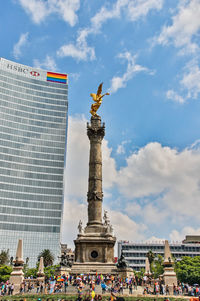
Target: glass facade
33,123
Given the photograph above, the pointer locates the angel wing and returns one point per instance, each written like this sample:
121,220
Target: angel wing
93,95
99,89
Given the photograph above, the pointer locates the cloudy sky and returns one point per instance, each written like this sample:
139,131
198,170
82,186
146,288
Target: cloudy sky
147,54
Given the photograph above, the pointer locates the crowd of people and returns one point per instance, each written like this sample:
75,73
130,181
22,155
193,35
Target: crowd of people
6,288
94,286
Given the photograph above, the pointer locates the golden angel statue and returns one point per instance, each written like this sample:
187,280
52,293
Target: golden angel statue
98,100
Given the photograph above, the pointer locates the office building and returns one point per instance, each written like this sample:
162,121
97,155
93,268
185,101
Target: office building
135,253
33,122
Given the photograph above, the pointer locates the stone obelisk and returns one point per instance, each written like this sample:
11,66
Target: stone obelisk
169,275
94,246
17,275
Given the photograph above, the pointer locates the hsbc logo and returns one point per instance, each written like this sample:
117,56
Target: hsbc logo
35,73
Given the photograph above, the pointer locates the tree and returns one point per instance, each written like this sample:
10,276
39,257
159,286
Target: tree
5,272
157,268
150,256
4,257
31,272
50,270
188,270
47,256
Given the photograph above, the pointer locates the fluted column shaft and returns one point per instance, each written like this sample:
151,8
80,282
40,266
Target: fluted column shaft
95,132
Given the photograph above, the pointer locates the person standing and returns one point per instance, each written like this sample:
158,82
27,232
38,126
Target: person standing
130,288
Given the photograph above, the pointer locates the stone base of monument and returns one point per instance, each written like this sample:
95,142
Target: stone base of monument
17,277
94,251
63,271
169,277
93,268
125,272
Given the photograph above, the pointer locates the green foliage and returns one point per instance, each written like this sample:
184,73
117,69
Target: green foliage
157,266
140,274
188,270
5,272
4,257
50,271
47,257
31,272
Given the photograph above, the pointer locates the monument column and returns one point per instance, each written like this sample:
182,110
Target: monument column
94,246
95,132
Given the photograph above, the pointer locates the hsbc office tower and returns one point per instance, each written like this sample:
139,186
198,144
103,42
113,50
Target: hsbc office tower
33,123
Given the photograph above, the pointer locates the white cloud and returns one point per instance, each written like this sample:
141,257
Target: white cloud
183,33
133,9
118,82
168,179
36,8
48,64
74,75
155,239
77,159
189,84
79,51
133,208
185,27
121,147
73,212
39,10
173,95
126,228
17,49
180,235
138,9
191,80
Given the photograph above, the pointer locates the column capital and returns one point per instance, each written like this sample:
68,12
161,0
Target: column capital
95,130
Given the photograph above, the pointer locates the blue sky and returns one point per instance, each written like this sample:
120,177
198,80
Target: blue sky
147,54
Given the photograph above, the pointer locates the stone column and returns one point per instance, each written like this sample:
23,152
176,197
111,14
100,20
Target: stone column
95,132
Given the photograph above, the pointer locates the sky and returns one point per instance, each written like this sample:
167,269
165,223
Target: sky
146,52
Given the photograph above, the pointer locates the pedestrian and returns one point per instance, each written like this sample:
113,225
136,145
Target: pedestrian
130,288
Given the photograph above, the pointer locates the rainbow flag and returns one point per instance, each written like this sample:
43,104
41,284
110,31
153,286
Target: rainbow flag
57,77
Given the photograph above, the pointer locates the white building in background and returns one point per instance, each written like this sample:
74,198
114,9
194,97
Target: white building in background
135,253
33,122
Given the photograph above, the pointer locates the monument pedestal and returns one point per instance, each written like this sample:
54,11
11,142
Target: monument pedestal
170,279
125,272
94,251
17,277
63,271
